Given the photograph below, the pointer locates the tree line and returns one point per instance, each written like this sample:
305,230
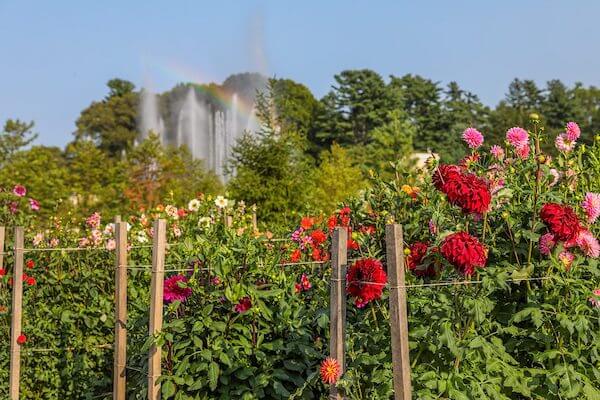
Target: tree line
309,154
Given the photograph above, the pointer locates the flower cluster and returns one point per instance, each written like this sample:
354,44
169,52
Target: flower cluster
365,280
465,190
311,240
464,252
564,226
20,191
566,141
243,305
304,284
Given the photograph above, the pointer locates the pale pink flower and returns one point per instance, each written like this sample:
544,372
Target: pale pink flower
588,243
472,137
19,190
572,131
595,299
522,152
555,176
38,239
497,152
172,211
111,244
517,137
563,144
84,242
34,204
566,257
547,243
54,242
93,221
591,206
96,236
176,231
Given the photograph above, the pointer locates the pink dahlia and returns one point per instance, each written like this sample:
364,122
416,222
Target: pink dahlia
555,176
547,243
563,144
517,137
572,131
522,152
566,257
588,243
34,204
591,206
472,137
93,221
176,289
19,190
497,152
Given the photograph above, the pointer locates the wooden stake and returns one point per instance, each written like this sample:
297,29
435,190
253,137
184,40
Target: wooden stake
398,312
2,236
120,356
156,305
254,218
337,323
17,312
229,221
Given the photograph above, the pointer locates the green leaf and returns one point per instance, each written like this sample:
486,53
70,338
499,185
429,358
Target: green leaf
213,375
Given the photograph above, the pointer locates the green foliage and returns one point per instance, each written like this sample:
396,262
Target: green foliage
111,122
14,137
271,168
336,179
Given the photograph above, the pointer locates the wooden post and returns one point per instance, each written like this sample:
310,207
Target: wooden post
398,312
254,218
156,305
2,236
337,323
16,312
120,350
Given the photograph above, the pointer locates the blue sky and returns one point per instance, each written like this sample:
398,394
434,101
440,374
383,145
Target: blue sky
56,56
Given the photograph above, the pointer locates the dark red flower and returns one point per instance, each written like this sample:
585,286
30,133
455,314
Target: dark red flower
318,237
467,191
243,305
464,252
30,281
176,289
316,254
2,271
365,280
561,220
30,264
414,261
304,284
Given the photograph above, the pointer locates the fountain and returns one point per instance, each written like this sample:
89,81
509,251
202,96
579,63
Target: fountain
208,126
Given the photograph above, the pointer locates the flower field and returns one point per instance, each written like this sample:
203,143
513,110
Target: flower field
502,283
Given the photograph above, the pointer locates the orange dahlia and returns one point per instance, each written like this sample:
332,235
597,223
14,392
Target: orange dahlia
330,370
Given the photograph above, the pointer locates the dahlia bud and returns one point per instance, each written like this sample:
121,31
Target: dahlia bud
541,159
597,138
570,163
534,117
505,215
407,251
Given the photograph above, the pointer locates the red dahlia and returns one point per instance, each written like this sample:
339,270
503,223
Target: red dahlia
365,281
561,220
467,191
414,261
464,252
